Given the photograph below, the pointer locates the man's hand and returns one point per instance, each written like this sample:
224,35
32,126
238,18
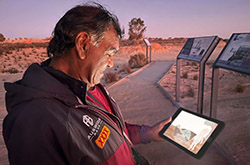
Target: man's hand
154,131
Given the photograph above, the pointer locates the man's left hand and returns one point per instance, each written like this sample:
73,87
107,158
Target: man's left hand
154,131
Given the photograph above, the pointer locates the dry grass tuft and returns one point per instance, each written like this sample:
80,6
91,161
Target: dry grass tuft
194,63
11,70
239,88
185,75
111,77
126,69
190,92
195,77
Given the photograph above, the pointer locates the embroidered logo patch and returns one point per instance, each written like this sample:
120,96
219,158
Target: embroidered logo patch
87,120
103,137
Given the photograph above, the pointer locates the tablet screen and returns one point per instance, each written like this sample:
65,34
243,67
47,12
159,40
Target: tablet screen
190,131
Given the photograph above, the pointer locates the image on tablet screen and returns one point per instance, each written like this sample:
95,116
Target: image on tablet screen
190,131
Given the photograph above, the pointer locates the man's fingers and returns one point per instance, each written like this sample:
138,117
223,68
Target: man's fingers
167,121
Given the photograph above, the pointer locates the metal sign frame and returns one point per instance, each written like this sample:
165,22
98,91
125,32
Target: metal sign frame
239,51
202,59
148,46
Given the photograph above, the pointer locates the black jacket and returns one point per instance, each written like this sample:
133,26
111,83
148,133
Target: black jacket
47,124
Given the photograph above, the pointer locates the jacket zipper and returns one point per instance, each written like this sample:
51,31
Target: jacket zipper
121,132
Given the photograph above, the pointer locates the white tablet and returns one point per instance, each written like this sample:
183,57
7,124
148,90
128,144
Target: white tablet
191,132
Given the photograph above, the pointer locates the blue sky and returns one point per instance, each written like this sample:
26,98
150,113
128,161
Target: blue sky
163,18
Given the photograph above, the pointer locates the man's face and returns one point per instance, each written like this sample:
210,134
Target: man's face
100,57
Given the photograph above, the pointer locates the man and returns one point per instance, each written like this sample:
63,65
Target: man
58,113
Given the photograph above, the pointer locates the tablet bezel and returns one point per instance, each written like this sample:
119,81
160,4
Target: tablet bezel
209,141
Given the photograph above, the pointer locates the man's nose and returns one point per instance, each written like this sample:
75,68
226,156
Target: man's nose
110,62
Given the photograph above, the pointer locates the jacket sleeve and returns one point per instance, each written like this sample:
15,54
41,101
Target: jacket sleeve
138,133
34,136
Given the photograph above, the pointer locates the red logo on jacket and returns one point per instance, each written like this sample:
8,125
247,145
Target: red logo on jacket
103,137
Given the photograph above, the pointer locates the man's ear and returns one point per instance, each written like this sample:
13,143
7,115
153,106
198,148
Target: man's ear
81,42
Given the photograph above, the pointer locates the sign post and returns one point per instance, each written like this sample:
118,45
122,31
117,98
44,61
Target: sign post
148,46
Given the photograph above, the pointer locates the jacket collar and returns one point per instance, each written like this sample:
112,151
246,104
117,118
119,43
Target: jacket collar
76,86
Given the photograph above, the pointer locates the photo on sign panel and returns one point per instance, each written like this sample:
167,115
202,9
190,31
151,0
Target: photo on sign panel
196,48
237,52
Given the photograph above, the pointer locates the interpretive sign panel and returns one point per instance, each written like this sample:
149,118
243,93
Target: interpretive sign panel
196,48
147,42
199,50
236,54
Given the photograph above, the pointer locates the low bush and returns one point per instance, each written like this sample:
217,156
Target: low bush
11,70
190,92
8,52
126,69
110,77
194,63
239,88
14,46
137,61
195,77
185,75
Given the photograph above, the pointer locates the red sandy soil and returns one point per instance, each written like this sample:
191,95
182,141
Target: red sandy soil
227,93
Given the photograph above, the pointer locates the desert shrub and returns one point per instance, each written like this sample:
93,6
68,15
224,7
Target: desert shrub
33,51
110,77
137,61
185,75
2,38
9,52
209,64
11,70
125,42
195,77
14,46
1,51
194,63
190,92
239,88
126,68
